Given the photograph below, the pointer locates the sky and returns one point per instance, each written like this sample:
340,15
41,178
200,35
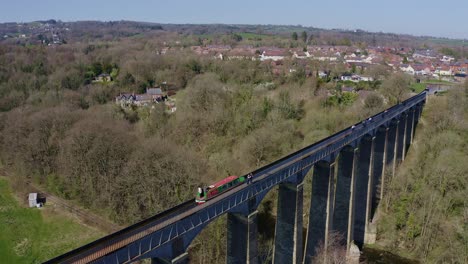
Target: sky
416,17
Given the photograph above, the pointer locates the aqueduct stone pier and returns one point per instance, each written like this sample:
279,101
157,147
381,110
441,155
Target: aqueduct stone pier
349,170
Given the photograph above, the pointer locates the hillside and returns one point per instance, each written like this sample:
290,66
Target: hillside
112,30
425,207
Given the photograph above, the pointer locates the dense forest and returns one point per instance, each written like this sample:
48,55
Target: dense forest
62,130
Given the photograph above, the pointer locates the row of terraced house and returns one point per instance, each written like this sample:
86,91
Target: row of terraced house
149,98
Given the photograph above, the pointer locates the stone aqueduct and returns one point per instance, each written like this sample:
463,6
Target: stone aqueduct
349,171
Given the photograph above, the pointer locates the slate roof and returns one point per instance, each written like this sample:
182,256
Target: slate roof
154,91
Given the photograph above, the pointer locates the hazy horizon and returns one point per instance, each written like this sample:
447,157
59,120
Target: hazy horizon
399,17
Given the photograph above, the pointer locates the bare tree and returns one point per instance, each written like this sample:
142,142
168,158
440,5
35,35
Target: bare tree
396,88
333,253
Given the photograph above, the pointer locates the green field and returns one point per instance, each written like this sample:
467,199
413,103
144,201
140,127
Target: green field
446,41
435,81
31,235
418,87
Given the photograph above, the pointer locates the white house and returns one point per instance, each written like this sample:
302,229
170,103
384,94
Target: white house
352,55
407,69
356,78
422,70
353,59
366,79
274,55
346,77
325,58
322,74
447,59
443,71
367,59
125,99
301,54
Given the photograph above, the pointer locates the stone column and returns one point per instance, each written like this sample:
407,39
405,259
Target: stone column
402,138
343,214
409,129
392,143
417,108
181,259
288,230
242,238
380,153
363,196
321,208
421,107
252,246
417,113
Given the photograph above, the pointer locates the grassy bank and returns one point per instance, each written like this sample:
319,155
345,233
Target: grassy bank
30,235
418,87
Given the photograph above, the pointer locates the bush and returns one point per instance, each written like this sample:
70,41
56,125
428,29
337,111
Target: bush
373,101
342,99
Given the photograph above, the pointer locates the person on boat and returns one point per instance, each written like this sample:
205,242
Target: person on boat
249,178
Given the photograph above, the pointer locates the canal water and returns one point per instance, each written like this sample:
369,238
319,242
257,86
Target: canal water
437,88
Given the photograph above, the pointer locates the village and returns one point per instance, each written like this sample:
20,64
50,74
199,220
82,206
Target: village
425,63
355,66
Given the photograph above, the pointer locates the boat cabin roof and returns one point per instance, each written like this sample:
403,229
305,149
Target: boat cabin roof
222,182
